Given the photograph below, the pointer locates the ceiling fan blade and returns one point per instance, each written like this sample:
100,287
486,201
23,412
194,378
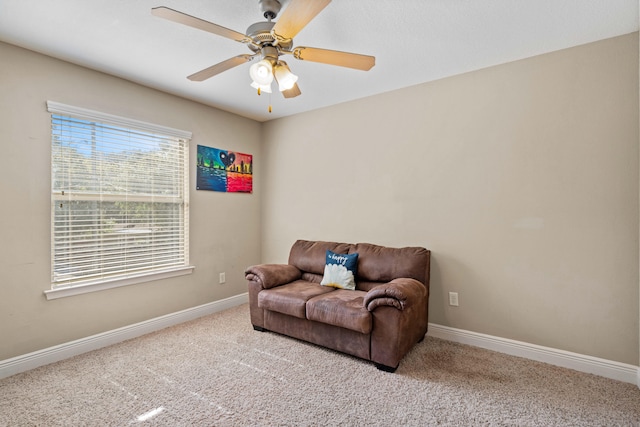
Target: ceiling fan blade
293,92
220,67
334,57
201,24
296,16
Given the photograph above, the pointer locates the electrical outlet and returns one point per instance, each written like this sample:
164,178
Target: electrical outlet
223,278
453,299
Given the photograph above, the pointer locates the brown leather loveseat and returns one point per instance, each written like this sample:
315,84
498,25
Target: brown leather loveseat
380,321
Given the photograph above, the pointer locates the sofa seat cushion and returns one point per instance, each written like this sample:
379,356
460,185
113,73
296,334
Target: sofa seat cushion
291,298
343,308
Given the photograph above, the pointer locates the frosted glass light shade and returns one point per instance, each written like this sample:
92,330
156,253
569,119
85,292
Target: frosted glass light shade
285,78
261,72
263,88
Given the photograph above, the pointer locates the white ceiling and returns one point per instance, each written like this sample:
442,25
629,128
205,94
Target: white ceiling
414,41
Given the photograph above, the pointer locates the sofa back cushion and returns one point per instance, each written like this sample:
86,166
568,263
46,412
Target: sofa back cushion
383,264
376,264
310,256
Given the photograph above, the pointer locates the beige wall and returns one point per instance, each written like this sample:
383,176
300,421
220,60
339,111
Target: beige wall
225,228
521,178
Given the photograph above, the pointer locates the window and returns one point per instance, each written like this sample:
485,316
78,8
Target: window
119,200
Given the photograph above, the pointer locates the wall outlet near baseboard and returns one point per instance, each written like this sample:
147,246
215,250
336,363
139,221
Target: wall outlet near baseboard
223,278
453,299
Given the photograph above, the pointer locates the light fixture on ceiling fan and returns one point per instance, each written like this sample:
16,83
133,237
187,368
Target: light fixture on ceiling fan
269,40
263,72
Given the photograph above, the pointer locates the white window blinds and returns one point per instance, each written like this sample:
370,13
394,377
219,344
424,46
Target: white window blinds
119,197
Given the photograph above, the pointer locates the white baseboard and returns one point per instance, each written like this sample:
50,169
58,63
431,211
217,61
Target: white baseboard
579,362
593,365
38,358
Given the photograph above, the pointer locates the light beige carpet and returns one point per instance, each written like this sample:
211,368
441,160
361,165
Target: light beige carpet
217,371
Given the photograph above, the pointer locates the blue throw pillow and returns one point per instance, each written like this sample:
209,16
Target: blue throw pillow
340,270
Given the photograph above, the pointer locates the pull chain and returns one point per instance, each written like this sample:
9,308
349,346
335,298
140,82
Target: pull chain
260,93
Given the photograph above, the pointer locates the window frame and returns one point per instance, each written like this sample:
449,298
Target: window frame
58,291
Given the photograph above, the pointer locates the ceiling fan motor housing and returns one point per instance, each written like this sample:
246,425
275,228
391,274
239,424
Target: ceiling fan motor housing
260,33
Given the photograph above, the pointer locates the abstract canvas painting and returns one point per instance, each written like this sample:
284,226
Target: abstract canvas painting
223,170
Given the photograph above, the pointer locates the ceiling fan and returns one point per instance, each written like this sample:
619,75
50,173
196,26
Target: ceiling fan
268,41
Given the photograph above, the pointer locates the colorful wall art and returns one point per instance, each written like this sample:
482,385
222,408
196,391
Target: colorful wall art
222,170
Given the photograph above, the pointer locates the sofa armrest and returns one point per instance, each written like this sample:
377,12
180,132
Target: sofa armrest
272,275
400,293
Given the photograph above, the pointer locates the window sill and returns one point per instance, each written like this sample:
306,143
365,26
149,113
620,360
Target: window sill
62,292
